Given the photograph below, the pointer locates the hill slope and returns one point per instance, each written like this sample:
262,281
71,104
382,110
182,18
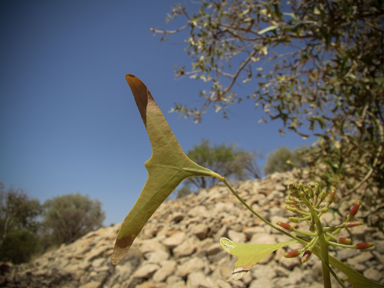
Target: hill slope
179,247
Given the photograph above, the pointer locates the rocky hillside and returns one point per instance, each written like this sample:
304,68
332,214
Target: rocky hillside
179,247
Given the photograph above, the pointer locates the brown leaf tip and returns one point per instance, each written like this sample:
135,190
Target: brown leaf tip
140,92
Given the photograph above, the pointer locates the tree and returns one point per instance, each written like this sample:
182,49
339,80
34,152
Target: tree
225,160
182,192
316,65
18,225
71,216
284,159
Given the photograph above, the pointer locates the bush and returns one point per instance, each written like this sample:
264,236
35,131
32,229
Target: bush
18,225
71,216
226,160
19,246
283,159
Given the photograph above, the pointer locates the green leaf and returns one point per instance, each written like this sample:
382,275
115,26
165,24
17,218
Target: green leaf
268,29
167,167
355,278
248,254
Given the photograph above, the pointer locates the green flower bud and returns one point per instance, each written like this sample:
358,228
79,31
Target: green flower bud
324,210
310,190
292,209
294,219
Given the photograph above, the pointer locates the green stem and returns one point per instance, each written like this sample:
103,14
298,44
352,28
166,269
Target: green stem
259,216
323,244
316,252
304,233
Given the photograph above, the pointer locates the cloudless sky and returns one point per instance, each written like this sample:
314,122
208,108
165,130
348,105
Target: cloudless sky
68,120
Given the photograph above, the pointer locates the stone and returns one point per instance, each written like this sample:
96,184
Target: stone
123,272
200,230
95,253
289,263
176,217
361,258
275,195
199,280
262,282
91,285
317,271
146,271
152,245
173,279
101,276
260,271
296,276
378,256
175,240
263,238
238,237
157,256
345,254
98,262
186,248
222,284
179,284
167,268
281,271
221,233
151,285
198,211
190,266
214,249
379,246
373,274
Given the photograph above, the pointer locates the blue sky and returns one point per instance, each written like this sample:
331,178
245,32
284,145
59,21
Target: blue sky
68,120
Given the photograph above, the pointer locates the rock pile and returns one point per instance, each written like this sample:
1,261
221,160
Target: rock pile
179,247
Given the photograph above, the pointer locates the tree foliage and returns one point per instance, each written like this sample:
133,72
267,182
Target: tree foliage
19,246
284,159
316,65
18,225
71,216
182,192
226,160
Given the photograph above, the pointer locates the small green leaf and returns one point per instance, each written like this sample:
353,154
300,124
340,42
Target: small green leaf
167,167
248,254
291,15
264,50
268,29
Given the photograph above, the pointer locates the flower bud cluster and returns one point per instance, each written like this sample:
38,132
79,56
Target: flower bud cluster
309,204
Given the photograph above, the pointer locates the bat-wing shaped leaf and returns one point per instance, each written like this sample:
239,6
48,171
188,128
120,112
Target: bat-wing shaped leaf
248,254
167,167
